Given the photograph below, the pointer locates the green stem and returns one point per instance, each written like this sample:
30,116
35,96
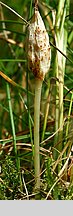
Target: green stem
29,116
70,108
13,132
55,153
47,95
12,122
38,86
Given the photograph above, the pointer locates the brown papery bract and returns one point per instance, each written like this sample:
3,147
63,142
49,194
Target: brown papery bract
39,53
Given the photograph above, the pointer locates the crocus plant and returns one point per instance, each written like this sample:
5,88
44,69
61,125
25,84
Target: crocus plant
39,56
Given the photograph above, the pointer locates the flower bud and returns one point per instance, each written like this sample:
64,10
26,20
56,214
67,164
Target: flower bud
39,53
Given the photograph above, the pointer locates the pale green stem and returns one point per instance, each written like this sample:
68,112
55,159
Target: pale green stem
38,86
60,37
60,10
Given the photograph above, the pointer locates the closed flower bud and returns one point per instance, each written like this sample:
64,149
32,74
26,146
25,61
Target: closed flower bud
39,53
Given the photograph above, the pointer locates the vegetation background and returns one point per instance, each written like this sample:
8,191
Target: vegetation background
17,104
